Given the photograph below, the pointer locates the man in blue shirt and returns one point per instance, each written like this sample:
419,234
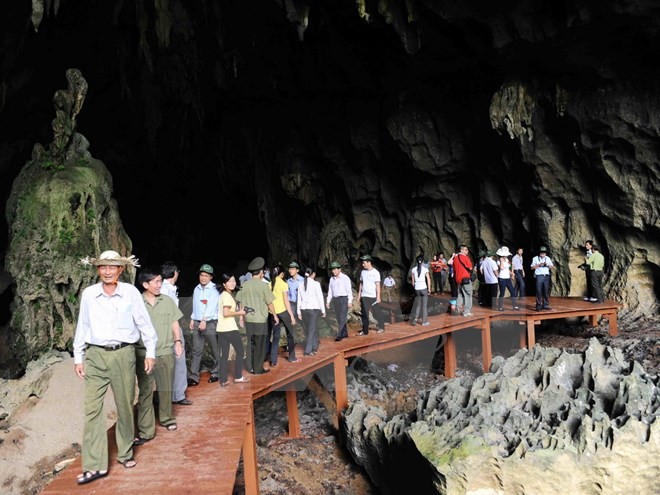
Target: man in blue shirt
293,282
203,321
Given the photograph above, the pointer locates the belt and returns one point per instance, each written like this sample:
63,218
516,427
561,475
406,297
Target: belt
546,275
112,347
519,270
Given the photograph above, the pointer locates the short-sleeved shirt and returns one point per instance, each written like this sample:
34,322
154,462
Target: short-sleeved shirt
420,280
293,283
163,313
489,269
226,323
542,270
368,278
256,295
280,288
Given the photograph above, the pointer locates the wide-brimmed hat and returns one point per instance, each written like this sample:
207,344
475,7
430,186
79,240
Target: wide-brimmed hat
293,264
256,264
543,249
366,257
334,265
111,258
503,251
206,268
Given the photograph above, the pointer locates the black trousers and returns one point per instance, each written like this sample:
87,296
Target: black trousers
257,336
340,307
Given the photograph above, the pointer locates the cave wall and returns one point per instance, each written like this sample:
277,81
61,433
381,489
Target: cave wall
329,129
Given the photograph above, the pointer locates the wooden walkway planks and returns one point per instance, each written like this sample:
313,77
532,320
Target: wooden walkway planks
203,455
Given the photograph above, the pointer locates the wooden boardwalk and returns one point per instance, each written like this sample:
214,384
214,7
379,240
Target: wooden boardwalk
203,455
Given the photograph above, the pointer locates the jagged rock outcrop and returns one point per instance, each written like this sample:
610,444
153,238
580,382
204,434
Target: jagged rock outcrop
60,210
543,421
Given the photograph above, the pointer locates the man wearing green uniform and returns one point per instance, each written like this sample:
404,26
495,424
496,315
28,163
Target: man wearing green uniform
111,321
257,300
164,315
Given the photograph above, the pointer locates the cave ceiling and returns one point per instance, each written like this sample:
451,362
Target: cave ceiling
242,128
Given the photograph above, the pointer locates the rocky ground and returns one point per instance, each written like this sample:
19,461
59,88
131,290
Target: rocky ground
31,445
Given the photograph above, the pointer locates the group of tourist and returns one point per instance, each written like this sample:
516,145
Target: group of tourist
122,334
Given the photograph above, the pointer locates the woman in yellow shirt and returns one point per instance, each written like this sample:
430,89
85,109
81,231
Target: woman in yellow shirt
284,313
227,331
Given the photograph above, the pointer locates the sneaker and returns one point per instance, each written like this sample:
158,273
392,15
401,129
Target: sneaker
380,330
413,323
593,299
242,379
467,314
585,298
425,324
361,334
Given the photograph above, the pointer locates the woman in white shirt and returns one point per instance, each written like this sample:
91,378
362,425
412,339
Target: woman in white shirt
310,306
421,281
504,276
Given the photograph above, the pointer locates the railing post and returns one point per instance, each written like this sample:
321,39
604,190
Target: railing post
292,411
250,471
486,347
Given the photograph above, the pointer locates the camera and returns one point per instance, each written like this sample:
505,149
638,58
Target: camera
248,310
583,266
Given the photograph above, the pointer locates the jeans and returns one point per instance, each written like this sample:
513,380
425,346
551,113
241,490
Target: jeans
285,320
368,304
421,299
309,318
542,291
520,283
224,340
506,283
340,307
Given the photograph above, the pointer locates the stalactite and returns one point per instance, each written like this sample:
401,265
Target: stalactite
37,13
163,22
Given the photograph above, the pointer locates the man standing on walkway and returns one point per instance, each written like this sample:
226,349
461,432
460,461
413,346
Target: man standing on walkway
369,295
489,271
293,282
519,273
340,295
164,315
111,321
203,322
462,272
257,299
542,266
170,273
596,266
588,245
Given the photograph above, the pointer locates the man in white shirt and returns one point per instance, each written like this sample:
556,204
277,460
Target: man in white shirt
340,295
112,320
517,263
542,266
489,271
369,295
170,273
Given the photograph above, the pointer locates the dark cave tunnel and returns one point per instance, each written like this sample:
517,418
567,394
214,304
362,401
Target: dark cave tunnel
201,121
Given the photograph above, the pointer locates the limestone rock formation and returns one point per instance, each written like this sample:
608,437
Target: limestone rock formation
59,211
544,421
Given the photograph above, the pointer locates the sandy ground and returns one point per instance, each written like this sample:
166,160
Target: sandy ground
43,432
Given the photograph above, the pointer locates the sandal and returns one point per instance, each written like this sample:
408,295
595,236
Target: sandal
128,463
141,440
89,476
170,427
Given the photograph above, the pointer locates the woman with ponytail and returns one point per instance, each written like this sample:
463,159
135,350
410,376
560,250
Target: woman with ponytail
285,314
227,331
310,306
421,281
